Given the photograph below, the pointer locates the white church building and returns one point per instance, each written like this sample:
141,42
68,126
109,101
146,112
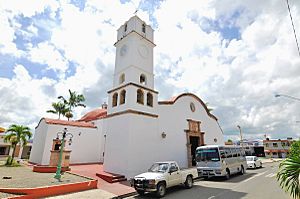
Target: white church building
134,129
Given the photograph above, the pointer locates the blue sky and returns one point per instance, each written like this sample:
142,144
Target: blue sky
234,55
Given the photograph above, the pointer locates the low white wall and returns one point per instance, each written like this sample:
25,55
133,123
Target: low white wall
85,145
37,151
101,125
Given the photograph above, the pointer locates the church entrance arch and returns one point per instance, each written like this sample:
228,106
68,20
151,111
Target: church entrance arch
194,139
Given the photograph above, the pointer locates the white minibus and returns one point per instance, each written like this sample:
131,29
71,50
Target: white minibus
215,160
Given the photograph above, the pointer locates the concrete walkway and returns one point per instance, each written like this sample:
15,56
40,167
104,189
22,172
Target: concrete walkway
118,188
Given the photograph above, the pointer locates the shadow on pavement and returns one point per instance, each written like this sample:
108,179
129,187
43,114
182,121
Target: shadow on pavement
197,192
236,178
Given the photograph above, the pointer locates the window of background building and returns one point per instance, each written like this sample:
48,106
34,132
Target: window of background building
267,144
275,144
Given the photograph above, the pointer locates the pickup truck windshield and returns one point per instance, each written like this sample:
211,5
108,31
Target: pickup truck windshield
209,154
159,167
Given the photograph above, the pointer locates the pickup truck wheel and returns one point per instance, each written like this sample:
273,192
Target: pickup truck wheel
242,172
140,192
227,174
161,190
188,182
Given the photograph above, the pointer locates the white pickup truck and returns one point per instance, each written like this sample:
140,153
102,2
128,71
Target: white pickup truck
162,175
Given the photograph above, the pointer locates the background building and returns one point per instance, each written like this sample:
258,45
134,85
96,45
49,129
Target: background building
6,150
251,147
277,148
4,147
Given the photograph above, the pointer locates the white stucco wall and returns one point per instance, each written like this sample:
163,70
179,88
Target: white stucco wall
116,146
174,117
86,147
135,23
133,144
37,151
101,127
173,121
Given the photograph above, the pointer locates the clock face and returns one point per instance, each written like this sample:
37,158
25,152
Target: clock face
143,51
123,50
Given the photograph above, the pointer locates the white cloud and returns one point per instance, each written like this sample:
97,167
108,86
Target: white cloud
45,53
27,8
7,36
22,97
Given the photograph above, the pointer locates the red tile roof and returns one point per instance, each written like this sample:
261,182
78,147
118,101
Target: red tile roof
69,123
2,129
94,115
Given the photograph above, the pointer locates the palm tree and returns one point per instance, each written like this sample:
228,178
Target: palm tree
59,108
289,175
208,108
17,134
73,101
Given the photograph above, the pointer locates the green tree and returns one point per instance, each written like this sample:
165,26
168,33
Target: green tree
289,174
59,108
17,134
229,140
74,100
295,149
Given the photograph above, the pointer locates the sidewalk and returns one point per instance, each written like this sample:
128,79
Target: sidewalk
270,160
116,189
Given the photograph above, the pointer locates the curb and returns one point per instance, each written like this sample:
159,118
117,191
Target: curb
125,195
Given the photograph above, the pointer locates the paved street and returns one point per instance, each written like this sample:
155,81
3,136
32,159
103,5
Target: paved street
259,183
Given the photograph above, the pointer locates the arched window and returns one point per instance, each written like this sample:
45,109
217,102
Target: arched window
144,28
125,28
115,99
122,97
122,78
149,99
140,96
143,79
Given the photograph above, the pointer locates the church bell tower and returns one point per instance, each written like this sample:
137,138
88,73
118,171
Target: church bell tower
133,81
131,124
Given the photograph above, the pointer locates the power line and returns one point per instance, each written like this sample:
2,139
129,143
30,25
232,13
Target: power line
287,2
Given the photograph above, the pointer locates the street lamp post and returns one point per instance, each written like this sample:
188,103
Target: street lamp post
241,137
288,96
63,134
